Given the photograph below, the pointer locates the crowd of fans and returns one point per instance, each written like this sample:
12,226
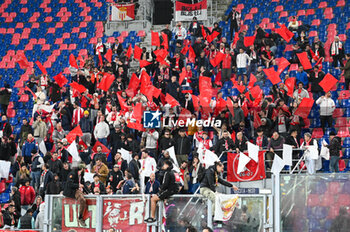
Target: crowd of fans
104,119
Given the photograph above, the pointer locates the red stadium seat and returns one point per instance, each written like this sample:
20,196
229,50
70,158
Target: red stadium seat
279,8
124,34
51,30
10,31
322,5
48,19
66,35
301,12
270,26
111,40
254,10
343,132
83,52
248,17
315,22
24,10
59,41
338,112
141,33
72,47
312,33
47,64
35,25
47,10
36,14
28,47
342,37
19,25
240,6
284,14
341,122
88,18
83,14
33,41
63,47
75,30
82,24
59,25
310,12
82,35
341,3
93,40
11,113
24,98
98,4
41,41
317,133
45,47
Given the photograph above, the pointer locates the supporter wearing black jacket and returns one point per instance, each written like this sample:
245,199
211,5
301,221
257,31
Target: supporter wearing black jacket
334,151
183,146
224,144
114,177
315,78
55,186
131,145
97,187
241,142
134,167
165,142
55,165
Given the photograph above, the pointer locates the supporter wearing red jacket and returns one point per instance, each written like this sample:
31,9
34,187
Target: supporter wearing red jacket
27,194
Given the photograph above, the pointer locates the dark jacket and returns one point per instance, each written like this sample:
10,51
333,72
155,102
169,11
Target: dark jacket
165,143
134,167
54,187
155,187
169,183
72,184
276,144
85,125
221,145
129,184
209,180
242,145
335,146
172,89
114,178
315,87
55,166
26,221
183,146
101,186
265,141
7,129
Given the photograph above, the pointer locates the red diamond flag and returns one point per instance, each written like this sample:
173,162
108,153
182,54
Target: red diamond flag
144,63
182,75
252,81
134,82
212,36
136,126
109,55
123,105
165,43
155,38
104,148
171,100
304,107
41,67
72,135
22,61
204,33
217,59
60,80
184,50
106,82
286,34
272,75
282,63
73,62
78,87
249,40
328,82
191,55
137,52
290,83
195,102
129,52
304,60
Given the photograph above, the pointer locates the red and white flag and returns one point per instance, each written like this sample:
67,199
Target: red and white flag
122,12
186,12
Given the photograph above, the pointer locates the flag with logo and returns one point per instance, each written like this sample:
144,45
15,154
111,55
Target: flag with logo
186,12
252,171
122,12
224,206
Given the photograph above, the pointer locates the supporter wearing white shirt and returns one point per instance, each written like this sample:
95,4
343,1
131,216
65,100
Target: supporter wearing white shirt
327,107
148,166
180,32
101,131
242,61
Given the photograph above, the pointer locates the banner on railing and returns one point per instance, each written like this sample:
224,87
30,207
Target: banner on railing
186,12
252,171
122,12
119,214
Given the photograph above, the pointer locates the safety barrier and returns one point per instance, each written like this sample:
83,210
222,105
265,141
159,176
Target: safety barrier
127,213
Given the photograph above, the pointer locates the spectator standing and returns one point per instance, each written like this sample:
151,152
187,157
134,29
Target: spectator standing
235,22
37,163
336,51
101,131
347,72
334,151
27,195
327,107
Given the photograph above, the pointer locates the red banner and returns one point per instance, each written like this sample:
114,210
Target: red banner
186,12
253,171
120,214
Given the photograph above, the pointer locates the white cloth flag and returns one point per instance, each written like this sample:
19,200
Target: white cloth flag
125,155
224,206
46,107
287,154
72,149
4,168
172,155
324,150
242,162
253,151
207,157
42,147
278,165
88,176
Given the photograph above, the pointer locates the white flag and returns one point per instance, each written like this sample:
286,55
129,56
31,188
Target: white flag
287,154
42,147
324,150
208,158
4,169
88,176
172,155
125,154
46,108
242,162
253,151
224,206
72,149
277,165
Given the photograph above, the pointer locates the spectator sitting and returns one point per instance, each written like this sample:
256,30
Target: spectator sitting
152,186
27,221
101,169
97,186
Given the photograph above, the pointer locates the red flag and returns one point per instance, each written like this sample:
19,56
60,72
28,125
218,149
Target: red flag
106,82
191,55
72,135
304,60
21,59
24,98
109,55
240,88
313,55
78,87
100,60
41,67
205,86
195,102
217,80
18,84
137,113
184,115
184,50
137,52
60,79
204,101
136,126
344,94
155,38
328,82
171,100
204,33
145,82
156,91
252,81
212,36
129,52
235,39
249,40
253,171
73,62
104,148
165,43
123,105
290,83
144,63
220,105
283,63
272,75
286,34
28,89
218,58
182,75
256,91
81,61
134,82
257,120
304,107
230,106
